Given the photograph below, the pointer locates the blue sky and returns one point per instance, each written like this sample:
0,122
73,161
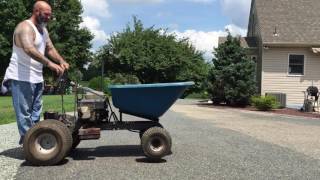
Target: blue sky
203,21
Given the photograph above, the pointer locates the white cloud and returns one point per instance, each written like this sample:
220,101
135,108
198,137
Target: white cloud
93,24
236,30
237,10
98,8
207,41
203,41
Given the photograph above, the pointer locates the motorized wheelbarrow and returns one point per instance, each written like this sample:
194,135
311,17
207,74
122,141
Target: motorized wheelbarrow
51,140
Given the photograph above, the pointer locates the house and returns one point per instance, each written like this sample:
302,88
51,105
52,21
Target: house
287,47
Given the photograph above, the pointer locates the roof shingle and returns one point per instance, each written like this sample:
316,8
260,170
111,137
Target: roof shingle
296,21
246,42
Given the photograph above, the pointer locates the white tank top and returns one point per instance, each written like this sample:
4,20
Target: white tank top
22,67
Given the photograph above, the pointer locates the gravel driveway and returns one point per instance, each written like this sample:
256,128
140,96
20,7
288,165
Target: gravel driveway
207,144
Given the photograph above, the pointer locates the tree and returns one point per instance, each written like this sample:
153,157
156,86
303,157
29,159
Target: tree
71,41
11,12
232,74
153,55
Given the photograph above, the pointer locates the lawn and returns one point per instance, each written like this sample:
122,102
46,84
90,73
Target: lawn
52,103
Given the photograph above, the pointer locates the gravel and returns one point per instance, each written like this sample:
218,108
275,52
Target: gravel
203,148
11,154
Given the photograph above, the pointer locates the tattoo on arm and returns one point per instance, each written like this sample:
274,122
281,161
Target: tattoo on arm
52,52
25,34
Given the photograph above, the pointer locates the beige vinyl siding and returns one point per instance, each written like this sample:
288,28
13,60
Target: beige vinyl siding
275,76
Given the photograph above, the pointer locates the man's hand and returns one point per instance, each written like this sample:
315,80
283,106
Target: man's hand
54,55
64,66
56,68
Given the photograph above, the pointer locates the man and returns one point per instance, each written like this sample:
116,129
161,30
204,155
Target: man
31,42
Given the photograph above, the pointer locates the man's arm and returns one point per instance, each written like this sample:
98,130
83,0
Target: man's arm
25,35
53,53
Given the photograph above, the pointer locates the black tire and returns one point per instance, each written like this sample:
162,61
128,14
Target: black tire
75,135
47,143
156,143
142,131
75,140
74,125
67,131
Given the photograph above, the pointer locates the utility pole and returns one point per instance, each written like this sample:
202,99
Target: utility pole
102,75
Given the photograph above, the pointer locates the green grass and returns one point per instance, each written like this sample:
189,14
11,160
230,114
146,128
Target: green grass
6,111
50,103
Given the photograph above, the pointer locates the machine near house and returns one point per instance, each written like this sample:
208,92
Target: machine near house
49,141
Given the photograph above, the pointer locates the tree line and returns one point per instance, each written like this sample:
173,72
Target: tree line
148,55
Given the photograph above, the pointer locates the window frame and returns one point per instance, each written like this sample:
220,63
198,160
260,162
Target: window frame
304,64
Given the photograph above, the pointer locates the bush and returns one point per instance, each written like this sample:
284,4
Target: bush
264,103
95,83
200,95
75,75
124,79
117,79
231,79
154,56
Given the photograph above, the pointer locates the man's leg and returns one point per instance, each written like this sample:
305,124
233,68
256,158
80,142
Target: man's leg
22,96
37,103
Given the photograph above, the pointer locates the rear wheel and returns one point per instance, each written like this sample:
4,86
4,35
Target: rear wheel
47,143
156,143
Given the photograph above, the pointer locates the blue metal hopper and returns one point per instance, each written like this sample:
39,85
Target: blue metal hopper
149,101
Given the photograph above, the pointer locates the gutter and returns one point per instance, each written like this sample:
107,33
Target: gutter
289,44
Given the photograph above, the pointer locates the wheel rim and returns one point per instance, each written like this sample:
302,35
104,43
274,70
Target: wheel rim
156,144
45,143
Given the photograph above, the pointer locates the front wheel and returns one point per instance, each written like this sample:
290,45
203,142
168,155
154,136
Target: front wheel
47,143
156,143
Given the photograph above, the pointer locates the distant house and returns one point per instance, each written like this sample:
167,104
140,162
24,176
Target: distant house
286,48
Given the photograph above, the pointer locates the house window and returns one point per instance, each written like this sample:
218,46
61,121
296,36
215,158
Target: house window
296,64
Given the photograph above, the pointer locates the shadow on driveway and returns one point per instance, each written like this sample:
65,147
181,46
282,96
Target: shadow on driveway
15,153
80,154
112,151
106,151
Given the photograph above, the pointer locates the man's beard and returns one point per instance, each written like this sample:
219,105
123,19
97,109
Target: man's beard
41,21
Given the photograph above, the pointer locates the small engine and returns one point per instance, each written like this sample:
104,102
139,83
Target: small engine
93,110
